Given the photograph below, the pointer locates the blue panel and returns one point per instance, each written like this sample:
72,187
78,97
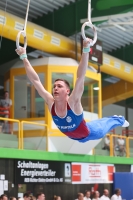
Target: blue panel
124,181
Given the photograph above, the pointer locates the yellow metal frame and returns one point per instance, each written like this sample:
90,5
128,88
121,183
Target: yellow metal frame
112,146
99,96
33,123
91,104
128,146
32,101
15,121
18,72
117,92
33,119
58,133
97,77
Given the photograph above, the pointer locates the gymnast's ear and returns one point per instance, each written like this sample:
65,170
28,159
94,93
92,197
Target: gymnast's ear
68,91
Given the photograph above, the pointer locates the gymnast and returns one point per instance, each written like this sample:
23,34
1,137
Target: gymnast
66,110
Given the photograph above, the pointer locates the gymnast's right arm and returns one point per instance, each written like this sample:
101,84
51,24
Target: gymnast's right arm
33,77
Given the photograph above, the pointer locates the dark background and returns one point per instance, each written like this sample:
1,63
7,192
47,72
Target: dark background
66,191
57,166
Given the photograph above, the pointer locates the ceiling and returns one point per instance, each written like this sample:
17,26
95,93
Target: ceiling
37,8
113,20
115,32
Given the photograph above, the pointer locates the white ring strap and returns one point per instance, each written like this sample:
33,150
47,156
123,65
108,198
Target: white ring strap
89,24
23,32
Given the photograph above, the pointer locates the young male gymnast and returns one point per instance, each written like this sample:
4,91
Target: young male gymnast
66,110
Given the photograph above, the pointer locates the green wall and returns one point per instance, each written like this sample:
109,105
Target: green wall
124,53
42,155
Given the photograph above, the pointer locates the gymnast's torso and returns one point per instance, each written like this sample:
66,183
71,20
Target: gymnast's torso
72,125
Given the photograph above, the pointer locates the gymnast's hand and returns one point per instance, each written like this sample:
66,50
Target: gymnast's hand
20,51
87,42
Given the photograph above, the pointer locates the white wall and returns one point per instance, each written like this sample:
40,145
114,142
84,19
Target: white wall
130,118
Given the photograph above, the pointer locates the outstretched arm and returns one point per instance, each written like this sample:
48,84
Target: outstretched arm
34,78
79,85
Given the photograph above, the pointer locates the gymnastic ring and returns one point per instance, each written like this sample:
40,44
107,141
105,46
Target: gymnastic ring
18,38
93,28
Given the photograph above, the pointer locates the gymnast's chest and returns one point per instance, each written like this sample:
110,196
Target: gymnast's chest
69,120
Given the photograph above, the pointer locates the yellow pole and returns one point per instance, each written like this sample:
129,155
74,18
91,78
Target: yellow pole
17,121
32,101
127,147
91,97
48,86
22,136
19,135
100,97
22,130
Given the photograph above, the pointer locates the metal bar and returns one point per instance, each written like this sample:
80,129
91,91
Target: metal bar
15,6
11,120
13,10
43,3
22,135
121,23
64,2
17,121
19,136
34,123
33,10
100,97
108,17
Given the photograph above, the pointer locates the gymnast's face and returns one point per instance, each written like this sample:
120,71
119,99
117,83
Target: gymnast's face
60,90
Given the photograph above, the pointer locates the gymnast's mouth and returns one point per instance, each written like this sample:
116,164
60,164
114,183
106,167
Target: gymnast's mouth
56,93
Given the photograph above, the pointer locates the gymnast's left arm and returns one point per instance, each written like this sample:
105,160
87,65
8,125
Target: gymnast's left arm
79,85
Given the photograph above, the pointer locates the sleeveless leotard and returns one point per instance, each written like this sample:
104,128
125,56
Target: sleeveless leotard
72,125
75,127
